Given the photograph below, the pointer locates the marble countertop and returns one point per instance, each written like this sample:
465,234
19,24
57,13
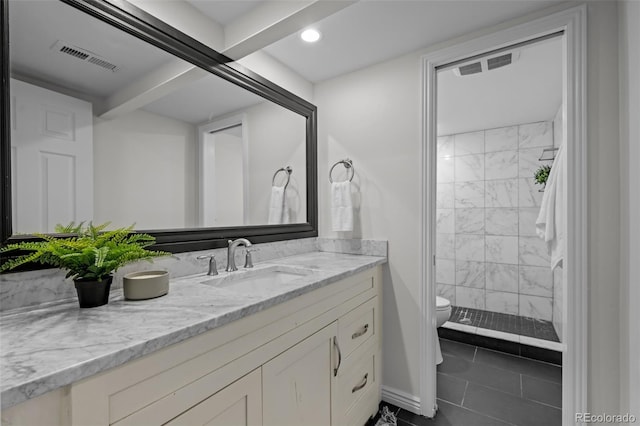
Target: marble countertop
47,347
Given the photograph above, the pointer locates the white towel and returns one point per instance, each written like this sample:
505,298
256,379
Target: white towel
278,208
341,206
549,224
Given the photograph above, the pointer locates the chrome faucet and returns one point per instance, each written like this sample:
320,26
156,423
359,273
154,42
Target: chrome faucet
213,267
231,252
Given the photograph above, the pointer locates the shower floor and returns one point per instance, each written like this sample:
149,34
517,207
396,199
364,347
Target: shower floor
506,323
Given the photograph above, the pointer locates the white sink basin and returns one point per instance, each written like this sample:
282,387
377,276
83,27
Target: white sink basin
255,279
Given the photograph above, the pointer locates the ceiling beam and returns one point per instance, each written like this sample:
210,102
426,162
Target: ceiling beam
151,87
274,20
260,27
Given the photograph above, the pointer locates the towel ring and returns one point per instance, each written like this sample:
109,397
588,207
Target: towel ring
348,164
288,170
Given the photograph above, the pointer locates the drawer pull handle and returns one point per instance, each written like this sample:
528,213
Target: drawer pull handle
360,332
335,344
361,385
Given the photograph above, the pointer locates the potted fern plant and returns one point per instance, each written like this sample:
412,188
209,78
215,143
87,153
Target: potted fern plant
90,257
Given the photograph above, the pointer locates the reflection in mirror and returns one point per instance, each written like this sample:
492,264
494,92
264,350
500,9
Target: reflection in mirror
106,127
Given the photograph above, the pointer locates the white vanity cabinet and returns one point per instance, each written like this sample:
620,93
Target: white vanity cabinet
239,404
297,384
312,360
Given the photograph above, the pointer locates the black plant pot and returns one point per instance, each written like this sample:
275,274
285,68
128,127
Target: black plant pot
92,293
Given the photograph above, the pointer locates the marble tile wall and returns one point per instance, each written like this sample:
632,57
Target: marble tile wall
487,253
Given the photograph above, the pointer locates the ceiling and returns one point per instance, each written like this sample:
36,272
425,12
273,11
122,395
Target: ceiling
373,31
361,34
225,11
202,100
36,26
526,91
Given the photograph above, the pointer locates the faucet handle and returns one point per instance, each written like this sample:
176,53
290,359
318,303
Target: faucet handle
213,266
248,262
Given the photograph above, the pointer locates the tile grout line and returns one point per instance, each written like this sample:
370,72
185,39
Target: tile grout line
544,380
464,394
521,386
542,403
480,413
519,372
533,401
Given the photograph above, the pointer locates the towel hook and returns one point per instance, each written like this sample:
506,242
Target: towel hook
288,170
348,164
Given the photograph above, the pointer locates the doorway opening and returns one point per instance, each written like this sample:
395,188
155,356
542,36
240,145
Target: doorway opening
491,263
500,125
222,175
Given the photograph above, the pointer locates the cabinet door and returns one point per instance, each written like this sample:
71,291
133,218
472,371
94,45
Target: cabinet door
239,404
297,383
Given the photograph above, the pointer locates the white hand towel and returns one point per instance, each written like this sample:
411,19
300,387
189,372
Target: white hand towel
341,206
549,224
278,208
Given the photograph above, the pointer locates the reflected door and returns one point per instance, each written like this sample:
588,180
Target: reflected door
52,158
223,178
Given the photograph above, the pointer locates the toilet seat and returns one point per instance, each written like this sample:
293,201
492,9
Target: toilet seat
442,303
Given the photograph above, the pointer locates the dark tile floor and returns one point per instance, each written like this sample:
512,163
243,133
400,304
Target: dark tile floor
478,387
524,326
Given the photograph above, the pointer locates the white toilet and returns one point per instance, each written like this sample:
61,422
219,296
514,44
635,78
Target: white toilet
443,312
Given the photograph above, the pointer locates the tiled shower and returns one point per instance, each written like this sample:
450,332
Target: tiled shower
488,256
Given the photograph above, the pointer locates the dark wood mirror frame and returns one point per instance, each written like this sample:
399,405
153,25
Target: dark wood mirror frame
127,17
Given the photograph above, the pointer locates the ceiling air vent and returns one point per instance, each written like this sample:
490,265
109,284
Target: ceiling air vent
474,68
498,61
84,55
74,52
487,64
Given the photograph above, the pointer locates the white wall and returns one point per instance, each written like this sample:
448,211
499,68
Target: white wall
276,139
143,171
275,71
373,116
629,56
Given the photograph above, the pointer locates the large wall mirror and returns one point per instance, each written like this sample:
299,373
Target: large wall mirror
111,115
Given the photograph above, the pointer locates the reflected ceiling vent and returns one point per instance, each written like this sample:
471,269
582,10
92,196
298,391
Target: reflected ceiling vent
487,64
84,55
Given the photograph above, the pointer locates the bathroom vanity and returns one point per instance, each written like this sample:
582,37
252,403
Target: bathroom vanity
302,349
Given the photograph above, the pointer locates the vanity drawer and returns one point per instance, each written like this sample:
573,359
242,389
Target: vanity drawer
357,326
357,388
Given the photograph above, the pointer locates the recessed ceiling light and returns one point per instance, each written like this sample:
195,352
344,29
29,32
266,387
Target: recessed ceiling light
310,35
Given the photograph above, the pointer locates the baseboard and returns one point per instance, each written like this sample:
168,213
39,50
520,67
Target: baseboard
401,399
